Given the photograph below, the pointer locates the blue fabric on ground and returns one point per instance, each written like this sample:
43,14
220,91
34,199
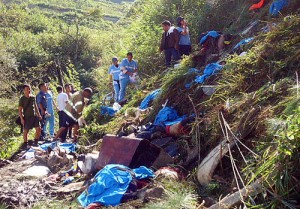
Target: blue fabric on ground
167,116
243,42
177,120
150,97
107,110
45,146
110,184
277,6
143,173
213,34
209,70
69,147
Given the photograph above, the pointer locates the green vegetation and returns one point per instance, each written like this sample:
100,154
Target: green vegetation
73,41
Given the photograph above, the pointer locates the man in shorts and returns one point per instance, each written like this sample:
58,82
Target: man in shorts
29,115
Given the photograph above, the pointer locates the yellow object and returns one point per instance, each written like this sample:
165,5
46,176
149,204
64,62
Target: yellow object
227,42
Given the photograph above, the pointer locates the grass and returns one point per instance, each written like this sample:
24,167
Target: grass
178,195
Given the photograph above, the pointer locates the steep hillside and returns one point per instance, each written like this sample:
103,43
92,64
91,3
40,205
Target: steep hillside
241,149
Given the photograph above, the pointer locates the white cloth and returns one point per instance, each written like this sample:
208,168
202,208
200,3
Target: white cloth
62,99
170,30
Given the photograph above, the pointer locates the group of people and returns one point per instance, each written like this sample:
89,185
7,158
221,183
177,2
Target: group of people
175,41
38,112
120,75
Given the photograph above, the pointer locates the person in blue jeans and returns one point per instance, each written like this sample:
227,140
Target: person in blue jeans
50,119
128,68
114,73
185,47
169,43
42,106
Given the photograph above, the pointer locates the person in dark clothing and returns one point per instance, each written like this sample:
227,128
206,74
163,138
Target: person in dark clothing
170,42
29,115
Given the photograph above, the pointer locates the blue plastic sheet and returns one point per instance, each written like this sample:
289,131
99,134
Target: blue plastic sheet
45,146
209,70
277,6
150,97
167,116
110,185
107,110
213,34
243,42
69,147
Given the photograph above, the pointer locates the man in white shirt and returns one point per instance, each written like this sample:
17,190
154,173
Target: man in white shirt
62,100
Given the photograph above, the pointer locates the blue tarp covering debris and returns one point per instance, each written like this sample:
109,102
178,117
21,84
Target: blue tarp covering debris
107,110
243,42
69,147
150,97
277,6
213,34
167,116
111,183
209,70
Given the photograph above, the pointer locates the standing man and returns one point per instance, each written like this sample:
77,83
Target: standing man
50,108
169,42
62,100
73,112
68,89
41,100
114,72
128,68
185,47
29,115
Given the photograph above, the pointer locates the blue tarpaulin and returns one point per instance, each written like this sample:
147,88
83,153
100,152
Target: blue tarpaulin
213,34
209,70
277,6
69,147
243,42
150,97
107,110
167,116
110,184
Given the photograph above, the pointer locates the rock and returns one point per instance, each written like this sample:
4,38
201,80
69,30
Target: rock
153,194
37,171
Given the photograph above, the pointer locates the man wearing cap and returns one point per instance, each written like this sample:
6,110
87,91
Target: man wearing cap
128,68
114,73
73,111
